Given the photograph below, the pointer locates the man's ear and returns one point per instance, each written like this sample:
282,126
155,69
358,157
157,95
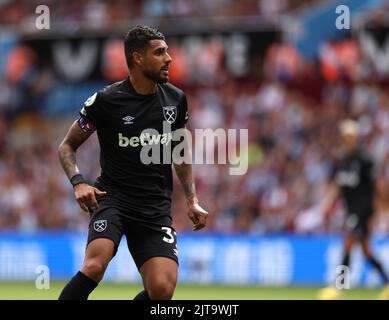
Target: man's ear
137,58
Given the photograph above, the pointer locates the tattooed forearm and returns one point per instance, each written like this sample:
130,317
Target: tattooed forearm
184,173
67,157
67,150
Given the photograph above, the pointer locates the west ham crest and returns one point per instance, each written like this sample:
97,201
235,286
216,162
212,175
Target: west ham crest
100,225
170,113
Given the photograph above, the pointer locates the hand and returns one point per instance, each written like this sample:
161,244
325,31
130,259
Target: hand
197,214
85,196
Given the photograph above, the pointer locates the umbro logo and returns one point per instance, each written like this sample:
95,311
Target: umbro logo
128,120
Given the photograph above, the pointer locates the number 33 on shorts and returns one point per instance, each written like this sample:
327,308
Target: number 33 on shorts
170,238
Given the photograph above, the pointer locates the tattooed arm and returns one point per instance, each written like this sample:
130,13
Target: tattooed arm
84,193
184,172
68,147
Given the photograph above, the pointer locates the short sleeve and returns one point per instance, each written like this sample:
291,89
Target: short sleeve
91,110
183,115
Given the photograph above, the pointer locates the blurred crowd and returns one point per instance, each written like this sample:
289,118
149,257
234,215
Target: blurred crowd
291,107
293,140
73,14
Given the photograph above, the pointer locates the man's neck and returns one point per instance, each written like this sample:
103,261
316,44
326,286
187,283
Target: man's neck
142,85
352,151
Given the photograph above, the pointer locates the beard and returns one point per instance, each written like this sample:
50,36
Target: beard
156,76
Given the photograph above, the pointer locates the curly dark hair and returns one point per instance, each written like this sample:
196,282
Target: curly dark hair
137,39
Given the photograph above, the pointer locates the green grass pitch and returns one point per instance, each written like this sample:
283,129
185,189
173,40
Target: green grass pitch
122,291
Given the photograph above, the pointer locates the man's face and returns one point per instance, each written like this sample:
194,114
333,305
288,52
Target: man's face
350,141
156,61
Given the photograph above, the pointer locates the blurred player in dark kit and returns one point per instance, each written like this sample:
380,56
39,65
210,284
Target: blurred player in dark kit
353,179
